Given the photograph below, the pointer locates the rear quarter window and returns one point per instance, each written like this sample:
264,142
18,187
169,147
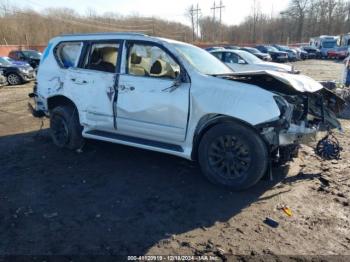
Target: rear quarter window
67,54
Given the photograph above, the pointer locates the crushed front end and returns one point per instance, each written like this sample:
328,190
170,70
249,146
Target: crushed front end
308,112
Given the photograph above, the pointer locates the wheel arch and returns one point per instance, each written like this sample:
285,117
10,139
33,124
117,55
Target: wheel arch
210,120
59,100
10,71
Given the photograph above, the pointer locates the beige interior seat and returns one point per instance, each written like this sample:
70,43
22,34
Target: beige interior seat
135,67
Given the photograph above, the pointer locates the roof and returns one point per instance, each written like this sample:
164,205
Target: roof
106,33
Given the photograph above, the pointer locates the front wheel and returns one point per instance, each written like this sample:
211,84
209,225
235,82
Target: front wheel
233,155
14,79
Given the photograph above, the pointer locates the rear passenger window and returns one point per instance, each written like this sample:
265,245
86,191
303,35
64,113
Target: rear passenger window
102,57
68,54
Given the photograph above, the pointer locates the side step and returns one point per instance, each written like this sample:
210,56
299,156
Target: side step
136,140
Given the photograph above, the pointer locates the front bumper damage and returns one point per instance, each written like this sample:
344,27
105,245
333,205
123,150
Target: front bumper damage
308,110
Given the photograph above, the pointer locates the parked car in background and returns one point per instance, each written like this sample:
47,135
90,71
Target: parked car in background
312,52
243,61
338,53
301,54
257,53
214,48
3,80
276,55
15,62
233,47
16,74
174,98
324,43
32,57
292,54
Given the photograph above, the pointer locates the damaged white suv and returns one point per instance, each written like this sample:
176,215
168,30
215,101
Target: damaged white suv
175,98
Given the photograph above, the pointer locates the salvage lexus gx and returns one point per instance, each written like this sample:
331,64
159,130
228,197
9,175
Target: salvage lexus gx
172,97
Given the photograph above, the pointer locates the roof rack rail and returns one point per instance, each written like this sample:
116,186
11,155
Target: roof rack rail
105,33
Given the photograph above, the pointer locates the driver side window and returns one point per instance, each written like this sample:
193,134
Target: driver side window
151,61
231,58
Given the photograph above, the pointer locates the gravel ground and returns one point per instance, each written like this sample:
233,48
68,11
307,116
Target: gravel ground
112,199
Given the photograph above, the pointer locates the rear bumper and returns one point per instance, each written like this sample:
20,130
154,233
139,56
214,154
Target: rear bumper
337,55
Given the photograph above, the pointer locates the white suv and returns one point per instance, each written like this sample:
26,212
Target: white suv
175,98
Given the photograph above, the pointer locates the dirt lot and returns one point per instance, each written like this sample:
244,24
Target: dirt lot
112,199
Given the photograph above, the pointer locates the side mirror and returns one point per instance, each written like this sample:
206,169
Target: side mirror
241,62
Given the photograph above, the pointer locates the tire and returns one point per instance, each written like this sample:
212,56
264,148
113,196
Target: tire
14,79
65,128
236,146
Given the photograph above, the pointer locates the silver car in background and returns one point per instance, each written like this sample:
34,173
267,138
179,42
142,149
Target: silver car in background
243,61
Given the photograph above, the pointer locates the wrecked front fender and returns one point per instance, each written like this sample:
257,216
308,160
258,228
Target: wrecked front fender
308,99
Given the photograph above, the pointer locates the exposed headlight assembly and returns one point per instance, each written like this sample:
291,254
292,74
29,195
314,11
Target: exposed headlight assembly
285,108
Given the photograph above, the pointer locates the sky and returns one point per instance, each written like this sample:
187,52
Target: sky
234,12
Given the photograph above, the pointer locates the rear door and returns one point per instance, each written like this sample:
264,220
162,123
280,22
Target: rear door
153,94
92,84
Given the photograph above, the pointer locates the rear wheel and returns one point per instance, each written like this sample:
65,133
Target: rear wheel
233,155
66,131
14,79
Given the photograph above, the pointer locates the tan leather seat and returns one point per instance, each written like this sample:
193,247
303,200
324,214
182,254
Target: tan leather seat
135,67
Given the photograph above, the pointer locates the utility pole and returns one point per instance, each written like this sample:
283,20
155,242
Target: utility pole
214,10
192,21
195,13
221,6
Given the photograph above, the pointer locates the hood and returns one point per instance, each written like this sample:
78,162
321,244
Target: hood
275,66
311,101
300,83
20,63
261,54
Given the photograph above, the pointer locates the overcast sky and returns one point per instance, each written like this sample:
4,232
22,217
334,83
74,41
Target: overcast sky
234,12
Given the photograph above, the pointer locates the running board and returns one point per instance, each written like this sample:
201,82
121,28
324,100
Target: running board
135,140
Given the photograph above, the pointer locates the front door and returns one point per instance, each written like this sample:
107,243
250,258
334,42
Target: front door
92,85
153,95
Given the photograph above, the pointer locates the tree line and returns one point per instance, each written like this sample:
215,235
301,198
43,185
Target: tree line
29,27
301,20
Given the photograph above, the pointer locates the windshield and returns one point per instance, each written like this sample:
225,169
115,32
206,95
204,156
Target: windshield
329,44
248,57
4,61
32,54
285,48
202,61
252,50
271,49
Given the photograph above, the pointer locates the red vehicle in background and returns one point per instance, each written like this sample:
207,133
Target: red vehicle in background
338,53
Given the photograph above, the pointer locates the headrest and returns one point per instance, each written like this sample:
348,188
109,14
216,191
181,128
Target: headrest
135,59
95,57
156,68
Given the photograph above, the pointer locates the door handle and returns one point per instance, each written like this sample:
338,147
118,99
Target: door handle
79,82
123,88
